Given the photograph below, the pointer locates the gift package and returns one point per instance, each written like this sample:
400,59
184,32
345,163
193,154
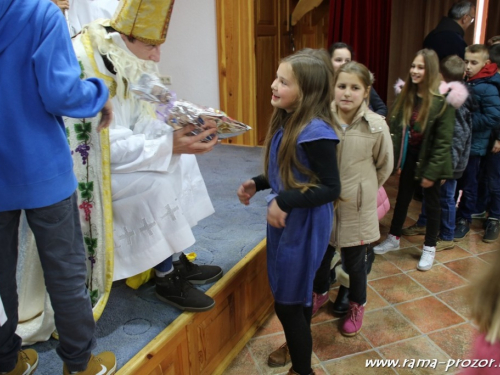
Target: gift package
179,113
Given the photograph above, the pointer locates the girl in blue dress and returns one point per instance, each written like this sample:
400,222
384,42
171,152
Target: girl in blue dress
301,170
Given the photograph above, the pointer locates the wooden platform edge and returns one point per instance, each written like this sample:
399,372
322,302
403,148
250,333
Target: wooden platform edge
206,343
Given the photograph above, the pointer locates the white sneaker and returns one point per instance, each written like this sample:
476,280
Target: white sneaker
427,258
391,243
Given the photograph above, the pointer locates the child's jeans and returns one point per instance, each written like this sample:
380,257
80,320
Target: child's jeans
489,186
448,211
468,183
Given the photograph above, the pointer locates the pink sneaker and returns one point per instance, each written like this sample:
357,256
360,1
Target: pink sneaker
354,319
318,301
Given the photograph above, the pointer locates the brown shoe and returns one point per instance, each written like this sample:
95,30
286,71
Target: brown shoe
280,357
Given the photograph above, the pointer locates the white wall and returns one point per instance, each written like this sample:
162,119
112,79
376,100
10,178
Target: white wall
189,54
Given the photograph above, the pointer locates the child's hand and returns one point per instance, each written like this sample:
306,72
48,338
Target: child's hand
275,216
246,191
426,183
496,147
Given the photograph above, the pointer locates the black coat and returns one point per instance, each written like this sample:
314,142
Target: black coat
446,39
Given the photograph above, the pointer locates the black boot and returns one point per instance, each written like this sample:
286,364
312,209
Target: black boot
195,274
177,291
370,257
341,304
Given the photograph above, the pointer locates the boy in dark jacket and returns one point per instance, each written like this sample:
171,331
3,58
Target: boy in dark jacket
489,184
452,69
484,83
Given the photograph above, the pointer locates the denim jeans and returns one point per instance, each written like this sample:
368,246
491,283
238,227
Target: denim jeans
448,211
59,241
353,262
489,186
468,183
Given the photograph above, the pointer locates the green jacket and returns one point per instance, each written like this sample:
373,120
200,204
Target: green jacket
435,153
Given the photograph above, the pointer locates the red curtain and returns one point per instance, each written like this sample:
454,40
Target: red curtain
366,26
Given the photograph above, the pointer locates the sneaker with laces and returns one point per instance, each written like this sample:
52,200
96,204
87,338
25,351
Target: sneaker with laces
100,364
444,244
461,229
27,362
391,243
354,319
175,290
492,230
318,301
196,274
427,258
414,230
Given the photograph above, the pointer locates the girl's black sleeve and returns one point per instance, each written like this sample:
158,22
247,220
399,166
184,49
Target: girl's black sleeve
261,182
323,162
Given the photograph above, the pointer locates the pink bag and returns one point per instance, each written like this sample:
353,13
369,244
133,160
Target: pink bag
383,204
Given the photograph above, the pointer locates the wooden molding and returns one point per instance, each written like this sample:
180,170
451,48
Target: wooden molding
206,343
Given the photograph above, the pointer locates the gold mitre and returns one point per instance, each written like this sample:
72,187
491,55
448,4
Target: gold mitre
145,20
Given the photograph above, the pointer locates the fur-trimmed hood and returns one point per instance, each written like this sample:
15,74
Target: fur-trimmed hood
456,93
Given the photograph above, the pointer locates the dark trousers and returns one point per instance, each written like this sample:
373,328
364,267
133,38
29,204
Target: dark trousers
296,322
353,262
59,241
322,280
489,186
468,183
407,185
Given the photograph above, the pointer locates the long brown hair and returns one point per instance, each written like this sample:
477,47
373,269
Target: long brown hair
315,95
430,84
485,301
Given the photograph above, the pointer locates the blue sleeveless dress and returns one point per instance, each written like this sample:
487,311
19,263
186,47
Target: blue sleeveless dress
294,253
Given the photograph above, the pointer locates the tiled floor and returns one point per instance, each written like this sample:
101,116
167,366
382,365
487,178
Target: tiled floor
409,314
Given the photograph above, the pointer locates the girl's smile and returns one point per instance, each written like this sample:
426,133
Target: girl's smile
285,89
417,70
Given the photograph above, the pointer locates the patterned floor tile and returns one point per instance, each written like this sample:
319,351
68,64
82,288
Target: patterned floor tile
429,314
468,268
437,279
455,341
474,244
398,288
489,257
356,364
386,326
457,299
452,254
405,259
419,348
328,342
243,364
271,325
382,268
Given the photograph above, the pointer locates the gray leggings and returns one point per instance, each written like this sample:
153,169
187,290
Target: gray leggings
59,241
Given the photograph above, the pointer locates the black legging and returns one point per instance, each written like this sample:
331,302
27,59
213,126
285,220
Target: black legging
296,321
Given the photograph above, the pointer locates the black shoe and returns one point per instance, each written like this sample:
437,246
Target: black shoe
492,230
461,229
341,304
177,291
370,257
195,274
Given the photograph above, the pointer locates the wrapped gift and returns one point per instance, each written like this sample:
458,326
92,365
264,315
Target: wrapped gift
179,113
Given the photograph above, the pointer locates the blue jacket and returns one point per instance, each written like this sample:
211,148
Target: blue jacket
39,83
486,92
